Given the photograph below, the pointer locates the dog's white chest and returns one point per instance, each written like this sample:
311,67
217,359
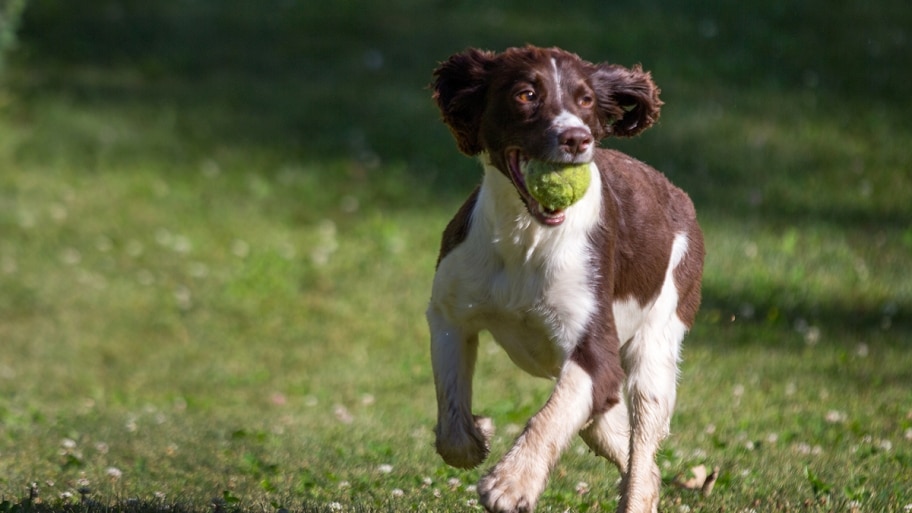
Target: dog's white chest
529,286
536,320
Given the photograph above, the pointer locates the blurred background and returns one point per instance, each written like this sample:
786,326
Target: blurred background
218,218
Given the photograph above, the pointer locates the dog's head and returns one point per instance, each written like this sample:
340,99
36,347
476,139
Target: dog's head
540,104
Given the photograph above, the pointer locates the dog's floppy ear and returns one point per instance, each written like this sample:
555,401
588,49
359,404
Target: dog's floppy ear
459,87
628,99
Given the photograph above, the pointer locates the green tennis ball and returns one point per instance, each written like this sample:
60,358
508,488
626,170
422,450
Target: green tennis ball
556,186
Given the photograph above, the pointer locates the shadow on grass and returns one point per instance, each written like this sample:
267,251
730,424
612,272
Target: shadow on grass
847,322
346,80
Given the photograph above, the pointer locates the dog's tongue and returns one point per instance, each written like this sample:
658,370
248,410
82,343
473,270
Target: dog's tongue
549,217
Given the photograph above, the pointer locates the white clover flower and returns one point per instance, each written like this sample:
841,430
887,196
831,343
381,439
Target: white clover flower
134,248
70,256
835,416
114,473
342,414
327,243
182,244
210,168
198,269
163,237
812,336
240,248
385,468
803,448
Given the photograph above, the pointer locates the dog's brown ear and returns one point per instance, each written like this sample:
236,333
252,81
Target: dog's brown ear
459,87
628,99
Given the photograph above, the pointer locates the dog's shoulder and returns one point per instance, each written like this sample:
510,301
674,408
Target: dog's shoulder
639,190
645,215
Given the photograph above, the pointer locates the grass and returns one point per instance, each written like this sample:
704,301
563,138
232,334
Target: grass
218,226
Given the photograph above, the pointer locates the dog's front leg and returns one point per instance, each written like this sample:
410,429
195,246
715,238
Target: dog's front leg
516,482
463,439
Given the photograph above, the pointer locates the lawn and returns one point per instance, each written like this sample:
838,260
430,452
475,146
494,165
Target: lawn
219,224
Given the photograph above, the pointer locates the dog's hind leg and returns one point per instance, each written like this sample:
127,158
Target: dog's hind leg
462,439
651,361
608,435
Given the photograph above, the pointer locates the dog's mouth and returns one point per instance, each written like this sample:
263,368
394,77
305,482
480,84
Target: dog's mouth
516,159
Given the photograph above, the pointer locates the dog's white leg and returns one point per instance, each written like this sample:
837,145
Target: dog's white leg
608,435
516,482
651,361
463,440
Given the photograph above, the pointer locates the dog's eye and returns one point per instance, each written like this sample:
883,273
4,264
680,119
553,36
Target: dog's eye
527,96
586,101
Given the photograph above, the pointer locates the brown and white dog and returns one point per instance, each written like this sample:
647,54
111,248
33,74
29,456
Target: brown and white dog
597,296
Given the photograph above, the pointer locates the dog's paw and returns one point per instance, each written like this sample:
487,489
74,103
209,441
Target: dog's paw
516,482
507,492
466,446
640,492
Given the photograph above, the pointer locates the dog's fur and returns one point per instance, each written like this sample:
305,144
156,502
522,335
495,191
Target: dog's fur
598,296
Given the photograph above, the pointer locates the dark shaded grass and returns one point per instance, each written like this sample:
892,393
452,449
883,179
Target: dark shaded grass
341,79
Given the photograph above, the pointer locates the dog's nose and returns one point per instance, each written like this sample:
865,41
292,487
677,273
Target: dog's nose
575,140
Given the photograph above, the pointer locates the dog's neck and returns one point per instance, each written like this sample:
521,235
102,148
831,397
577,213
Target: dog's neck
518,237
